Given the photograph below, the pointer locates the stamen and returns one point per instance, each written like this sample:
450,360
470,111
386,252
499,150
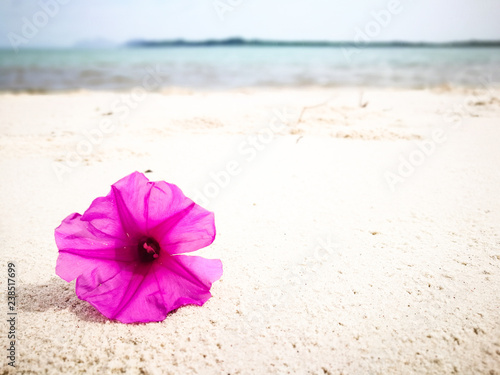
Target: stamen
149,250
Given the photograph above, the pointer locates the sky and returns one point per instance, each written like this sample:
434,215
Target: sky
63,23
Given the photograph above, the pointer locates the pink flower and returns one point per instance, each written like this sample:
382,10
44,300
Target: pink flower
124,251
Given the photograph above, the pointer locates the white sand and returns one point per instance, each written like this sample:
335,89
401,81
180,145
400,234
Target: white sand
408,281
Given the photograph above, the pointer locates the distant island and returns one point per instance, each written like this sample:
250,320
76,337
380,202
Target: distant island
237,42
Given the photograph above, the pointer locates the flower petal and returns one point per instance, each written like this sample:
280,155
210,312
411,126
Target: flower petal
148,292
162,211
83,247
148,203
190,229
131,196
165,201
185,279
128,293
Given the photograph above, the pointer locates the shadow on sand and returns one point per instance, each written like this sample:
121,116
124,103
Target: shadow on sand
56,295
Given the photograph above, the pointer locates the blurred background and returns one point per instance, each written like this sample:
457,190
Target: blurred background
51,45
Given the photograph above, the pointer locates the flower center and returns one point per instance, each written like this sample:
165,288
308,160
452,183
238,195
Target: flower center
149,250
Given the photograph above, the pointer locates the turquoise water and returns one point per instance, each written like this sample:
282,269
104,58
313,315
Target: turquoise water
231,67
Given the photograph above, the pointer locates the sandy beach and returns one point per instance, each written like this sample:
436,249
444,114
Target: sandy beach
358,228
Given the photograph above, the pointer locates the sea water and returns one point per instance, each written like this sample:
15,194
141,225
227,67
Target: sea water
247,66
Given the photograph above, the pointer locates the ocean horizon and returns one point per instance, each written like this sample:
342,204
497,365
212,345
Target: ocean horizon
220,67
